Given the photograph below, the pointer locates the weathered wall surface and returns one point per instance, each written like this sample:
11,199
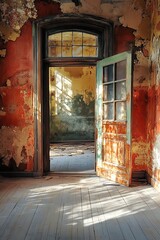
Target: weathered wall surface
132,23
16,85
141,80
153,164
16,90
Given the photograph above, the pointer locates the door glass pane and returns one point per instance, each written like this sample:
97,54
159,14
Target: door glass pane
120,90
108,74
120,68
108,111
121,111
108,92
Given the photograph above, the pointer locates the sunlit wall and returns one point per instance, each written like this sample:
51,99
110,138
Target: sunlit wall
72,103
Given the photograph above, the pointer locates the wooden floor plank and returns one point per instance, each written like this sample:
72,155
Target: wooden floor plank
89,233
66,218
100,223
72,208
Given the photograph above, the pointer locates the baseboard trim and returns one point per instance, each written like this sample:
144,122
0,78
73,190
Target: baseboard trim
21,174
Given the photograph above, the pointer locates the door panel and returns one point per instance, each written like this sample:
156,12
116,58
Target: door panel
113,118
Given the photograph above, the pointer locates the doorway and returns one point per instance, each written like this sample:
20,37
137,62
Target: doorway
63,41
72,118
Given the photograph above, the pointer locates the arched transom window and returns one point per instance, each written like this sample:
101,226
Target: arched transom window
73,44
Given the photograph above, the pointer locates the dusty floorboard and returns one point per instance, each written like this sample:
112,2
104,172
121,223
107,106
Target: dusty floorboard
73,208
72,157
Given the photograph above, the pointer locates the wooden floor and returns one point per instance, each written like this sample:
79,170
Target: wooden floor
73,208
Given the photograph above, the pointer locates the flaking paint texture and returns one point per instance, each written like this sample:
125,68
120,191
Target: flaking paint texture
153,164
16,76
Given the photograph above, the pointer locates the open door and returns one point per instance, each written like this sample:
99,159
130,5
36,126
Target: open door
113,118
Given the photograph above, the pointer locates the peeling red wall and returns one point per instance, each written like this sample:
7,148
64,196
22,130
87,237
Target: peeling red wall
153,164
124,39
139,113
152,103
19,55
16,84
139,128
45,9
16,89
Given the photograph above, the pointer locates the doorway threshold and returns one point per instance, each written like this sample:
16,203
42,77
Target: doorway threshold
78,174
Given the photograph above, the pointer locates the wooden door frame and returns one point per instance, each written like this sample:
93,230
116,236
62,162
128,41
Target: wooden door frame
41,66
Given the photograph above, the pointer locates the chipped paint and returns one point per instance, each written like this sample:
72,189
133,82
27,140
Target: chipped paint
14,138
139,155
153,164
7,33
2,52
123,12
155,56
144,28
13,16
133,17
156,153
14,101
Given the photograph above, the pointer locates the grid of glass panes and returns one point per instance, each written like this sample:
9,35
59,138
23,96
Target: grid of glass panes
114,92
72,44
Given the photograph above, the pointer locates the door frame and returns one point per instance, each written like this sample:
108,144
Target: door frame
41,64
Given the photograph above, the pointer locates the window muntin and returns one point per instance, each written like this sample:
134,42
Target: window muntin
114,92
72,44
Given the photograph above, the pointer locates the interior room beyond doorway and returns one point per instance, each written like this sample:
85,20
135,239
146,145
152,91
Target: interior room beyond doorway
72,118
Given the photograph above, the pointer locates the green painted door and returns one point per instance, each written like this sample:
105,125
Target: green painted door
113,118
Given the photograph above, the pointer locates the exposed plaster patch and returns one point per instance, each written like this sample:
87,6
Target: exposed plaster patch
155,49
124,10
142,46
69,8
2,52
28,105
128,15
156,153
13,15
7,33
91,7
19,79
140,151
141,71
8,83
155,55
144,28
14,139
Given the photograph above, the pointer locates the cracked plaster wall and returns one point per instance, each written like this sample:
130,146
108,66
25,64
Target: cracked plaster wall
154,97
133,14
